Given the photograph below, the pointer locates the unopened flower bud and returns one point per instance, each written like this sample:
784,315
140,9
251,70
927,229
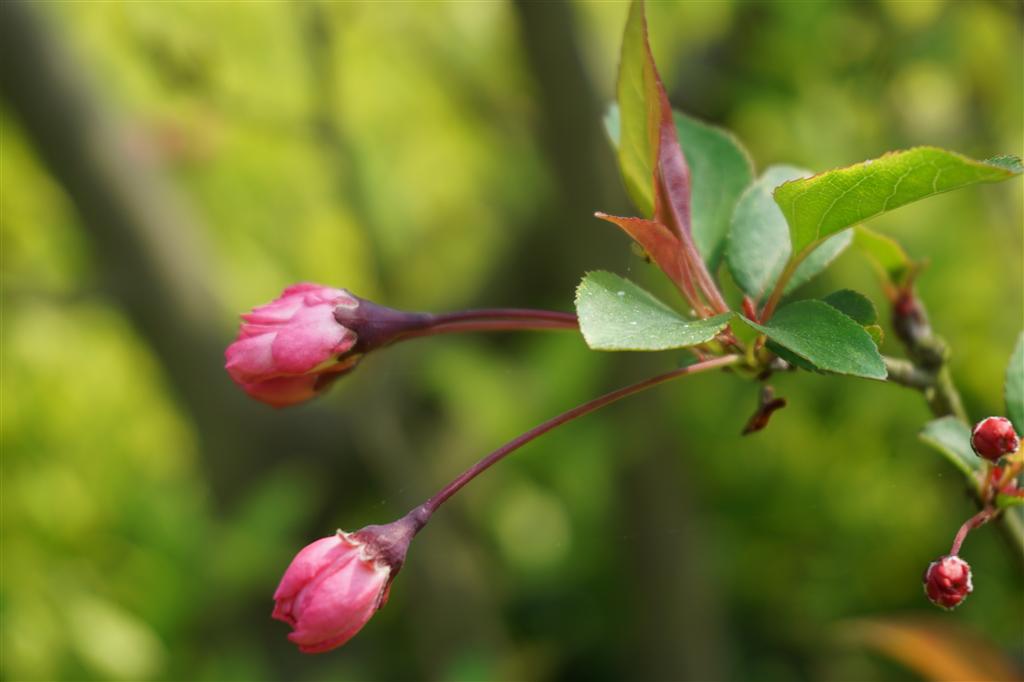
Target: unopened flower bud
947,582
994,437
290,349
334,585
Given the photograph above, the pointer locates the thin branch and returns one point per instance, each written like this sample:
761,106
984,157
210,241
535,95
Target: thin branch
465,477
927,371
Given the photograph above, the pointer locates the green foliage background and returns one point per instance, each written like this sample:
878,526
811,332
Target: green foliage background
411,153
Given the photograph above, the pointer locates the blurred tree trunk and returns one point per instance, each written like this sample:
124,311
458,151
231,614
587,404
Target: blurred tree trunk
676,615
565,239
150,251
445,571
677,633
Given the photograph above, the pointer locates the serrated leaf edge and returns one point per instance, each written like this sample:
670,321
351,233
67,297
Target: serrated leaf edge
830,371
726,317
1017,169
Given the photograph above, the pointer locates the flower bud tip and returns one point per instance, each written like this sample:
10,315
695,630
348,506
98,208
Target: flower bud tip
947,582
994,437
334,585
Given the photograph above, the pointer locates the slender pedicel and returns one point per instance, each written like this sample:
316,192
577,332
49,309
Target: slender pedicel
979,519
465,477
488,326
492,319
505,314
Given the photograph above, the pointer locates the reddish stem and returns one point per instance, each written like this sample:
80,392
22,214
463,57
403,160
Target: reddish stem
705,281
491,320
696,273
979,519
780,287
465,477
749,309
567,319
489,326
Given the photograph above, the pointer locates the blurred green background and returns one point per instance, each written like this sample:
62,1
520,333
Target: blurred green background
193,159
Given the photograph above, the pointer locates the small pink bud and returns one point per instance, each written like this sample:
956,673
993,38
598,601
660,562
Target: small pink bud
292,348
994,437
334,585
947,582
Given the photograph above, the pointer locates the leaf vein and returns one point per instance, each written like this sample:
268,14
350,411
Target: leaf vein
821,221
895,189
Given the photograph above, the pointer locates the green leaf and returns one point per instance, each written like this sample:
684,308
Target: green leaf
819,259
1014,388
758,245
791,357
639,112
825,337
876,333
1003,500
822,205
952,438
886,254
720,169
616,314
853,304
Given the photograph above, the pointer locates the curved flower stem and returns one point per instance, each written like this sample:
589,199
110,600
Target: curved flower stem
979,519
490,320
489,326
505,314
465,477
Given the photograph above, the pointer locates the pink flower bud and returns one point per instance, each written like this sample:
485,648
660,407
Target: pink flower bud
329,592
947,582
333,586
291,348
994,437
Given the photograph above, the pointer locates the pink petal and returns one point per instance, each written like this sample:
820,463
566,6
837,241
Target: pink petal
246,330
283,391
250,358
277,311
332,297
340,604
310,560
301,288
300,347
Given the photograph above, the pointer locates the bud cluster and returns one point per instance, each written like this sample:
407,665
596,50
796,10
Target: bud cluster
290,350
947,581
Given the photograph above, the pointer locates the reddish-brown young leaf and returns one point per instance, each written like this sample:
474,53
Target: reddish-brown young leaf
655,169
664,248
672,182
